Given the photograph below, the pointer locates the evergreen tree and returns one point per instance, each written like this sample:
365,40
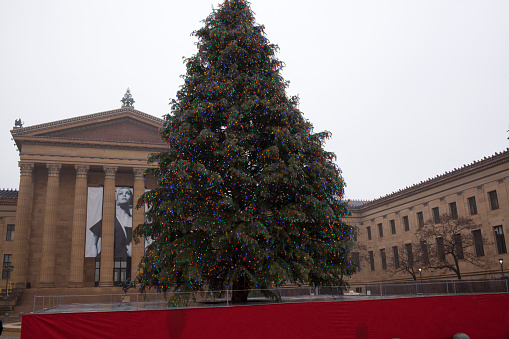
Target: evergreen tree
247,196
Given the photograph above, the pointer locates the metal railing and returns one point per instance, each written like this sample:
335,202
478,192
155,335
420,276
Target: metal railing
153,301
157,301
437,287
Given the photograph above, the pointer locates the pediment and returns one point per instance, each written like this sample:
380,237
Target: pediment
122,130
125,125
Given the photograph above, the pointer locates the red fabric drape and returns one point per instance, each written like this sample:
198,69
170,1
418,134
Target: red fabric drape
479,316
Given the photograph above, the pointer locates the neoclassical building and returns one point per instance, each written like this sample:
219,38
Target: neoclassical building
50,236
386,227
69,225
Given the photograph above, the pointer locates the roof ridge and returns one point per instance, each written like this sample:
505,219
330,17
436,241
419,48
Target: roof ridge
455,171
86,118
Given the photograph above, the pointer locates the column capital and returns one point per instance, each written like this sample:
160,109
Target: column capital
138,173
26,168
81,171
109,172
54,170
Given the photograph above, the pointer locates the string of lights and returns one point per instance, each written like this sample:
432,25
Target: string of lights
247,196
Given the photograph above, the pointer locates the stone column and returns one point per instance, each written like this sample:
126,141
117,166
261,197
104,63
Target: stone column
138,218
23,213
108,228
50,227
79,227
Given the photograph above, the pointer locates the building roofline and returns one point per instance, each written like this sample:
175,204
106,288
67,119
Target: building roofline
475,166
85,118
8,194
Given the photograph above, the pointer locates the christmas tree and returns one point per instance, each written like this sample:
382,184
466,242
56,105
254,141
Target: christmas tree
247,197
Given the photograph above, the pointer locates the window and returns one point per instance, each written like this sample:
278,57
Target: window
121,270
371,260
356,258
10,233
97,271
410,254
493,200
458,242
6,274
499,235
358,289
440,249
395,255
384,259
454,210
424,250
393,226
406,223
479,248
420,219
436,215
380,230
368,229
472,206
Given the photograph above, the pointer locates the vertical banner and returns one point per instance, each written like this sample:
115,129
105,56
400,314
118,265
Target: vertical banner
94,222
123,222
148,240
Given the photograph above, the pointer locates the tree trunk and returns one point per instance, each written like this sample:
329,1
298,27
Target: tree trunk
457,271
240,290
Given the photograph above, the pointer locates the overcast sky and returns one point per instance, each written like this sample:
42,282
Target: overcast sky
409,89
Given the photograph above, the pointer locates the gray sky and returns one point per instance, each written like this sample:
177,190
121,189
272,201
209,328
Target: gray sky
409,89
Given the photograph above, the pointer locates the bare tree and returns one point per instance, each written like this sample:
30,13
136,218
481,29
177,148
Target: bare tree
406,259
446,243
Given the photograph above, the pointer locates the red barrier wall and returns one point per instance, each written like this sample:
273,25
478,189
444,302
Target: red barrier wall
479,316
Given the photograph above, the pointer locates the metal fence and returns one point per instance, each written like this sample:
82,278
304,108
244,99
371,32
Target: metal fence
437,287
52,303
154,301
157,301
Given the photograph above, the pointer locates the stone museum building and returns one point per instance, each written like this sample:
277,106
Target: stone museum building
46,226
68,230
386,227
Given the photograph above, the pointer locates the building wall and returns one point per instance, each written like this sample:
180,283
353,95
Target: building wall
475,180
113,144
7,217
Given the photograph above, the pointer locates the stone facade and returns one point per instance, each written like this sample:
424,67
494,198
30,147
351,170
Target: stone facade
59,161
8,201
43,225
476,182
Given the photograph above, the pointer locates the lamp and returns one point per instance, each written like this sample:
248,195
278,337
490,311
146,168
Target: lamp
501,261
